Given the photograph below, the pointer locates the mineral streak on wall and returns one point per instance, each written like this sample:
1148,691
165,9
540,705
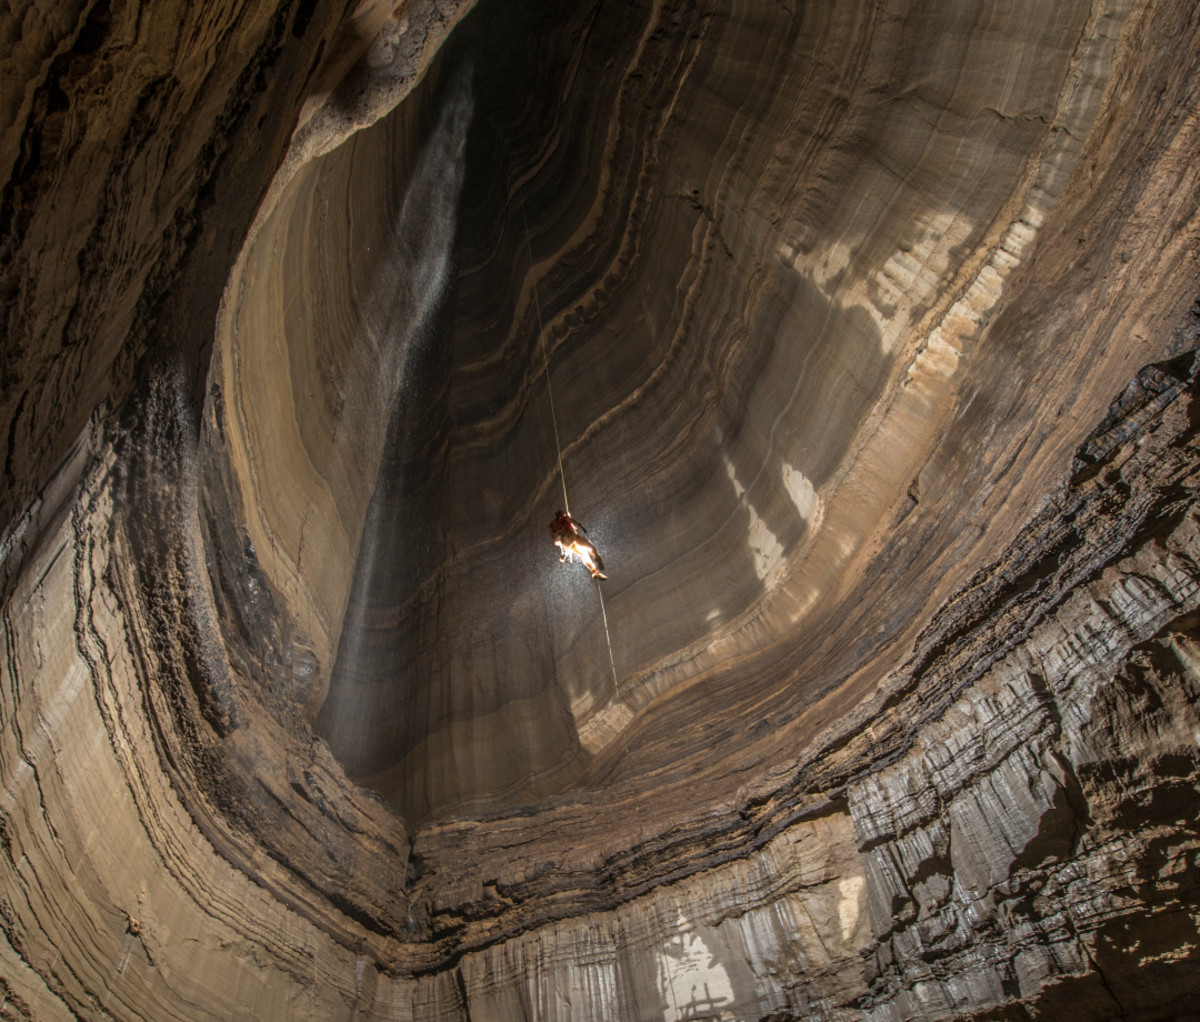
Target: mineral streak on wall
870,336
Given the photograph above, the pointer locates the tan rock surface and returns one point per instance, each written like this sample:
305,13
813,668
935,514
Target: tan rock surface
868,333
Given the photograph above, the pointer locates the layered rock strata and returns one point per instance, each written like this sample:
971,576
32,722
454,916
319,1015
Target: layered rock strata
873,372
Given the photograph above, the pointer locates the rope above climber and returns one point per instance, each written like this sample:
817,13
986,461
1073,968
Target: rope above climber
568,536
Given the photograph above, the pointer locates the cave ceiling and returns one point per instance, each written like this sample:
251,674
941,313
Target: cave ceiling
859,335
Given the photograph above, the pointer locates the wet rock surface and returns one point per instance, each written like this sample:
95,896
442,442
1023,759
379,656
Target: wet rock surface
872,349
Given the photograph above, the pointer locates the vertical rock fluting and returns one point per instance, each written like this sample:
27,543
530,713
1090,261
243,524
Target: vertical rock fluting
835,300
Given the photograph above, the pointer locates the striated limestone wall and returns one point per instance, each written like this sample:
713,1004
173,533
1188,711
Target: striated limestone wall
1041,825
1044,824
868,327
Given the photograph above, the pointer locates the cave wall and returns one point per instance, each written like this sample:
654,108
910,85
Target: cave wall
845,213
869,331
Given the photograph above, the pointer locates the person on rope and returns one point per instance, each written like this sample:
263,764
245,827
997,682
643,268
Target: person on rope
568,536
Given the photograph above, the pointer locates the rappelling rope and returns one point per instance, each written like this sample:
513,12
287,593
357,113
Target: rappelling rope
546,366
608,638
562,475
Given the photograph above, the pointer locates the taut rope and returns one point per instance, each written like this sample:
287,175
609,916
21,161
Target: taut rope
558,444
546,366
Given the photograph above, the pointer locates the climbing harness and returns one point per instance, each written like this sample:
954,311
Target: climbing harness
558,443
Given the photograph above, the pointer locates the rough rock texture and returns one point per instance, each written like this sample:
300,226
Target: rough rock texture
868,336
